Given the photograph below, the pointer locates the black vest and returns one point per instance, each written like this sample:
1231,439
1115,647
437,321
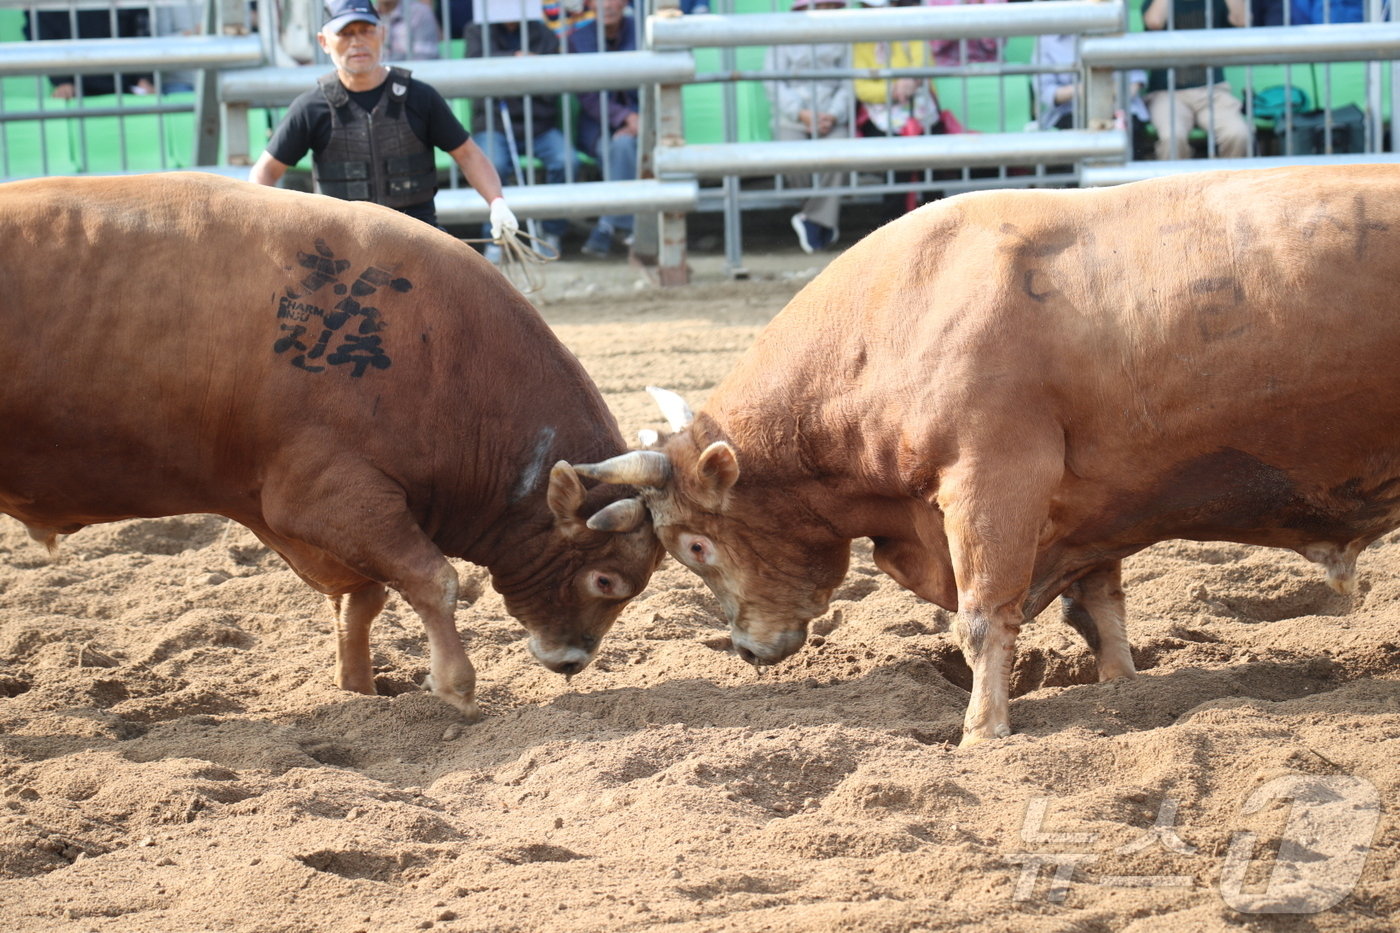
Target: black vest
374,156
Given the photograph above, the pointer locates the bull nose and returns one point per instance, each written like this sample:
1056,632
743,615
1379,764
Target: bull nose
561,659
568,668
771,651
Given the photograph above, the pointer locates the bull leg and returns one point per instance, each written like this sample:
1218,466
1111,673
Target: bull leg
375,537
995,511
1093,607
450,672
988,644
354,613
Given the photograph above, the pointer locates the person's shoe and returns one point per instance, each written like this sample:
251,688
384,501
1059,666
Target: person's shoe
492,253
812,237
599,243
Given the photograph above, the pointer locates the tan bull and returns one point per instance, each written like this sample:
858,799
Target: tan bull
1010,392
361,390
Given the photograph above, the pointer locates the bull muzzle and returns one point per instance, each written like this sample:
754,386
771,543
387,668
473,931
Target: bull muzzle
767,650
562,659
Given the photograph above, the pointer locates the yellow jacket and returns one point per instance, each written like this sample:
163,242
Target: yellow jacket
888,116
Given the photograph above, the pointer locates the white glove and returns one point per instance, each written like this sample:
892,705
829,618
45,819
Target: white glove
502,220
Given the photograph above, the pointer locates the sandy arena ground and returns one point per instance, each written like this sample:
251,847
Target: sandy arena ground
174,756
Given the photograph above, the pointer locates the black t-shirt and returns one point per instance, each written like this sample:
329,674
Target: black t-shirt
308,123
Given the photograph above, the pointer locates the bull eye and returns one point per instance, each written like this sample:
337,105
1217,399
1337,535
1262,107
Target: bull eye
697,549
607,586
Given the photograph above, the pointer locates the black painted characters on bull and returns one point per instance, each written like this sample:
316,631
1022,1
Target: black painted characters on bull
300,316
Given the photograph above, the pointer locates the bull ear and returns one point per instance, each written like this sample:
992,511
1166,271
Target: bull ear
565,498
619,517
718,468
634,468
673,407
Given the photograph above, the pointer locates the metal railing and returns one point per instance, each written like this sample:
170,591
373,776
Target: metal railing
243,71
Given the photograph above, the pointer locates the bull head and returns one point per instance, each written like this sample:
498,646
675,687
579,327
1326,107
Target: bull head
715,472
566,496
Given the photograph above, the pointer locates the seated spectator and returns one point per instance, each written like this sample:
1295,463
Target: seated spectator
411,30
534,131
1196,97
812,108
181,18
455,16
609,118
92,24
961,51
1057,93
1306,12
1268,13
564,16
894,106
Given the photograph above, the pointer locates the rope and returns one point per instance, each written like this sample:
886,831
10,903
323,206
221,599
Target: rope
518,258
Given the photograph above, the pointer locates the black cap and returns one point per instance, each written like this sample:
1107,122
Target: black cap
342,13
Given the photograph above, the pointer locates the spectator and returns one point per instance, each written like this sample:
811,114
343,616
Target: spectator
895,106
179,18
961,51
1304,12
1057,92
411,30
609,117
812,108
455,16
92,24
493,118
1268,13
564,16
1197,98
371,129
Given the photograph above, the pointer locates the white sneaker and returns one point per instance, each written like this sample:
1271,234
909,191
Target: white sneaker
493,253
799,226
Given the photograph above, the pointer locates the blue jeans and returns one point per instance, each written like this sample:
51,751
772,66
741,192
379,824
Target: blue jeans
549,147
622,166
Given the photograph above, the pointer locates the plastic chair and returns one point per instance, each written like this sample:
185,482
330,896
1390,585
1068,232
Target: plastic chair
988,103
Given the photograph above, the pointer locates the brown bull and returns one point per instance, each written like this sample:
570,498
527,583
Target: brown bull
362,391
1010,392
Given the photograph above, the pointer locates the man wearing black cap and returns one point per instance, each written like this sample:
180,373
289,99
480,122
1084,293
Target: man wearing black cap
372,129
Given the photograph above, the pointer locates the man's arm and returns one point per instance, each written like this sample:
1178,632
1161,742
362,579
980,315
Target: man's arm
1155,16
479,171
267,170
1239,12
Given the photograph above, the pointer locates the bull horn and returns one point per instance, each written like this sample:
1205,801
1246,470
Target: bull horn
623,516
677,412
635,468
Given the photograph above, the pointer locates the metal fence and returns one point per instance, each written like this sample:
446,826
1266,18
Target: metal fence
707,139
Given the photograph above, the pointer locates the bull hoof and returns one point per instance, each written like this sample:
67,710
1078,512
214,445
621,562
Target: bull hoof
465,703
978,736
357,686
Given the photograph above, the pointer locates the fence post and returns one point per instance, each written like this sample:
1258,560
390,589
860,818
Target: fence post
669,130
227,18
